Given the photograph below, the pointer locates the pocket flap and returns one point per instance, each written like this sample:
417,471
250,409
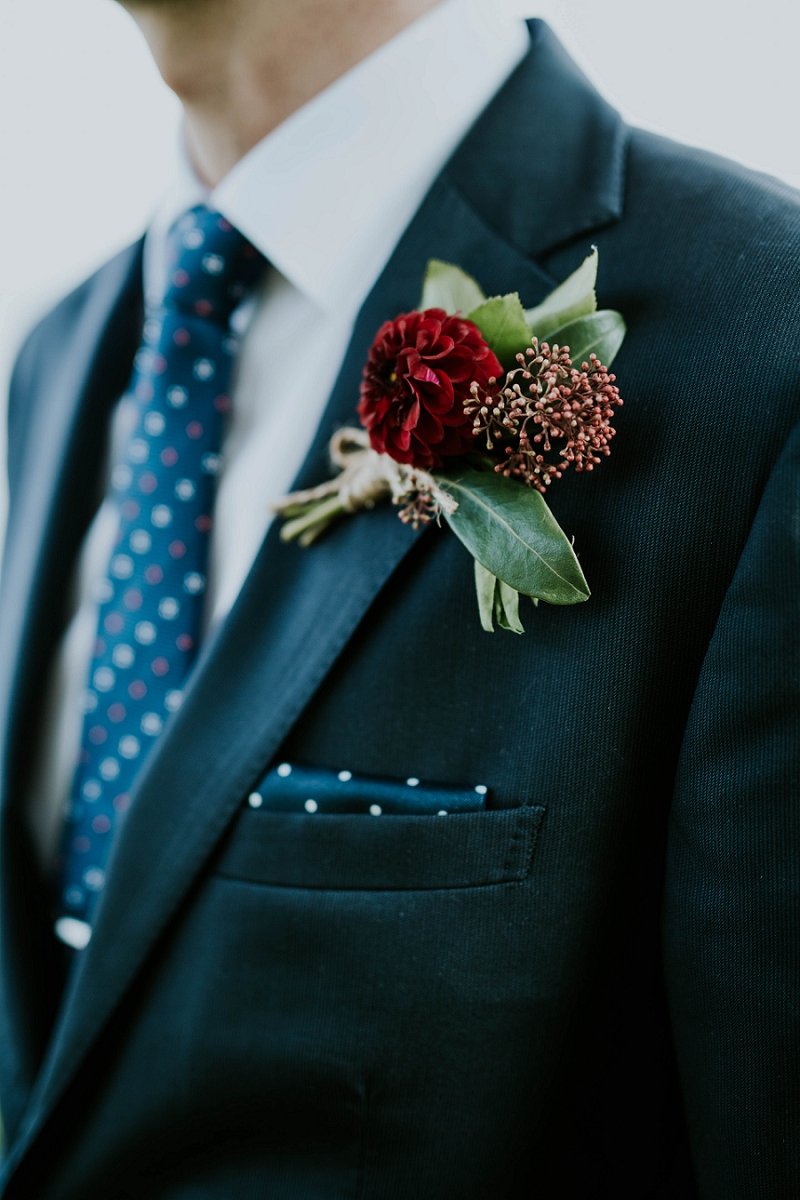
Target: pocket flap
352,852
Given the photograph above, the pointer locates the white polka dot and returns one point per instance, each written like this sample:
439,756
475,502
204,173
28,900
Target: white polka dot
193,238
168,608
211,463
375,810
122,476
412,782
345,776
123,656
94,879
129,746
185,489
161,516
138,451
212,264
104,679
442,812
92,789
311,806
481,789
151,724
154,423
143,359
173,700
203,368
255,800
71,931
145,633
109,768
284,770
141,541
194,583
121,566
73,897
88,701
152,329
177,397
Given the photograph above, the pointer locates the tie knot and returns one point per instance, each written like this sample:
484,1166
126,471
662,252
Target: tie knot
212,265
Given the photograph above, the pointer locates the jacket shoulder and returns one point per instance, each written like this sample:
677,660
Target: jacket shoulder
62,315
58,330
709,244
673,184
704,262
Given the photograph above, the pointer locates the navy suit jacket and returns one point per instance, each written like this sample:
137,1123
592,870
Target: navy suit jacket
587,988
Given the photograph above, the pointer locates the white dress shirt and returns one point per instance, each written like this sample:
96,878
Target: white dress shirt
325,197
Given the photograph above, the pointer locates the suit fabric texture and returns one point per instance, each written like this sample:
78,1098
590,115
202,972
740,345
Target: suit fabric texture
587,987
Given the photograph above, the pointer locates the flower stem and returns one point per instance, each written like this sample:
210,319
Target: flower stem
311,523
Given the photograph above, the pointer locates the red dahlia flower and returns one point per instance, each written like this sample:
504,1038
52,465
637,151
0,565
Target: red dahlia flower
416,383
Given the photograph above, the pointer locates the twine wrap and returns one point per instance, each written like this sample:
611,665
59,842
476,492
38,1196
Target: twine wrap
365,478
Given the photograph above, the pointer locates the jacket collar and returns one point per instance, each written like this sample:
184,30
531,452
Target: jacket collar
488,209
545,161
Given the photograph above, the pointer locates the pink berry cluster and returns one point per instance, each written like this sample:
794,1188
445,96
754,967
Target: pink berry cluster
546,416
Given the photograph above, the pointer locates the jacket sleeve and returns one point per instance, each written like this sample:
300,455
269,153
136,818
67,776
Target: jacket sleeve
732,898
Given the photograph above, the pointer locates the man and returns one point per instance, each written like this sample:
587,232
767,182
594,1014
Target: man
580,981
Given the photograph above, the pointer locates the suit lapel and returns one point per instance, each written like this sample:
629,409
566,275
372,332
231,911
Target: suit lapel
293,618
58,476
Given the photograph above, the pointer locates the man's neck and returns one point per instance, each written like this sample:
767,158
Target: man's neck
242,67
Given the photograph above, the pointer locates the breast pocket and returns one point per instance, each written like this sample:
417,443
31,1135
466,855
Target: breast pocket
376,835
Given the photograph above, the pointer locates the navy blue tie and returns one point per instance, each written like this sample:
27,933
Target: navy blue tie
151,600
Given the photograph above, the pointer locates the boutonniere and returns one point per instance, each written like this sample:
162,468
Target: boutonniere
470,408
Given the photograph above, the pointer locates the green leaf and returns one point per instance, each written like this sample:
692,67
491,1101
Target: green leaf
602,334
502,322
510,530
450,288
506,608
496,601
573,298
485,583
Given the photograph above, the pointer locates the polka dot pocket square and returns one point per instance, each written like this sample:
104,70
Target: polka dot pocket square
289,788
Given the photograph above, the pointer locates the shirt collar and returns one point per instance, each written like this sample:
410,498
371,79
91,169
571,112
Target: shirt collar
328,193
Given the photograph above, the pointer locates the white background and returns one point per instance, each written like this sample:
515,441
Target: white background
87,128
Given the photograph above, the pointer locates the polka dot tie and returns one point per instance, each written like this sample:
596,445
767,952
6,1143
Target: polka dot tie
150,603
